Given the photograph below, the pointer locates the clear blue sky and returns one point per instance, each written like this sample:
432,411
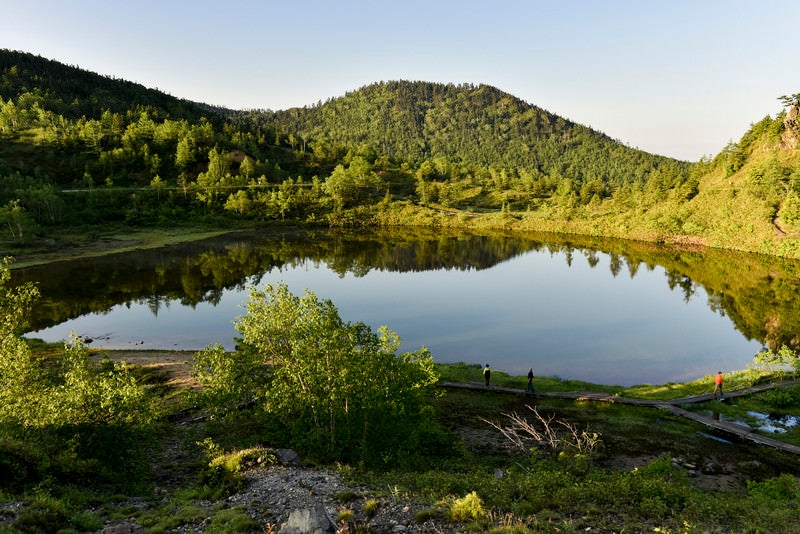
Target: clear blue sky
675,77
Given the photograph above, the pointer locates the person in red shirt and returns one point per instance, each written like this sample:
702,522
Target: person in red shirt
718,386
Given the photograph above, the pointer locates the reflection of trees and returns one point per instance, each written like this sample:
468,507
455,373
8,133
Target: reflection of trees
758,293
675,279
614,264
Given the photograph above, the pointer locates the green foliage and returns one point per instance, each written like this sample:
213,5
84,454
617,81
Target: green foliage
231,520
371,507
357,184
223,474
784,487
44,514
467,508
105,393
781,398
19,225
783,361
21,382
339,388
82,149
228,380
790,208
72,412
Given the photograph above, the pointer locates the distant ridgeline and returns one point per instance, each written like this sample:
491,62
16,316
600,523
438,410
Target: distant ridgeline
80,148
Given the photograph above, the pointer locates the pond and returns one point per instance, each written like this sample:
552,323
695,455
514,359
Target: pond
603,311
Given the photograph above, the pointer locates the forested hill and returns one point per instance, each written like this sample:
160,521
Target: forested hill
466,124
73,92
78,148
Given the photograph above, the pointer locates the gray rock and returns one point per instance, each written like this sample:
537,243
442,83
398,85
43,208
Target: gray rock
288,457
309,521
125,528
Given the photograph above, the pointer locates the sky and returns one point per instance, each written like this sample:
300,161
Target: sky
680,78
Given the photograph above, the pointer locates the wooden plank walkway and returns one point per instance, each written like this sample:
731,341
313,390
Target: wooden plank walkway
672,406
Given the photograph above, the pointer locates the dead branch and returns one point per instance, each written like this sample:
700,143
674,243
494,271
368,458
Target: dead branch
545,431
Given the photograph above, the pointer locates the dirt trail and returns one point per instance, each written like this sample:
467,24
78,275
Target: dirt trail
175,364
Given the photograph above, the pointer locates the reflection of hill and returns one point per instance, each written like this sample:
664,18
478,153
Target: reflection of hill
758,294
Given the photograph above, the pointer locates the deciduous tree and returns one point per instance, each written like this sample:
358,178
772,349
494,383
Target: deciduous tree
340,387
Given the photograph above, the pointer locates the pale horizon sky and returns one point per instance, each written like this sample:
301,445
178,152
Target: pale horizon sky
680,78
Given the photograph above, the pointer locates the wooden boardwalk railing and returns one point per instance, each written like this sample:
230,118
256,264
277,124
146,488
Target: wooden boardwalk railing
671,406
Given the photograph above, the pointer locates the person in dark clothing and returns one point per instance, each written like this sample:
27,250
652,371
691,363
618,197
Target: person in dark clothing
487,373
530,380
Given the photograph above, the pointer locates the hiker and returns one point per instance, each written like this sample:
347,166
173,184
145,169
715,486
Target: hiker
486,374
718,386
530,380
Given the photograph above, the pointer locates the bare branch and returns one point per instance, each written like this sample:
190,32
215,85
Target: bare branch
545,431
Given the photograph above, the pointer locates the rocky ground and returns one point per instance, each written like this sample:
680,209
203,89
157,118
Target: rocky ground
290,498
271,494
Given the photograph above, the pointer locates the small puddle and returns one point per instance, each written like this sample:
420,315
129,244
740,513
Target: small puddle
773,424
715,438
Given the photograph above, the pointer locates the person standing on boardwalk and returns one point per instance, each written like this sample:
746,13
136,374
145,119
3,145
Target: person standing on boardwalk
530,380
718,386
487,373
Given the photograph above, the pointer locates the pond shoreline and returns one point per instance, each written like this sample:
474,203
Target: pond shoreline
115,241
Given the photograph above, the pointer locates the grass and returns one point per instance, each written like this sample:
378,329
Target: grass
472,373
541,492
629,484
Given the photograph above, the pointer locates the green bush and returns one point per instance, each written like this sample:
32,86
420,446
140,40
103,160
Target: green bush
780,398
43,514
467,508
784,487
339,387
222,475
231,520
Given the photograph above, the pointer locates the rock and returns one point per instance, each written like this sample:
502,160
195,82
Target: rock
288,457
712,468
124,528
791,134
310,521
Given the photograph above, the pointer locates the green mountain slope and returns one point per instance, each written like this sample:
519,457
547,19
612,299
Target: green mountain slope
74,93
746,198
478,126
79,148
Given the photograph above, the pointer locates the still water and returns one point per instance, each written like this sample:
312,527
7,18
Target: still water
566,310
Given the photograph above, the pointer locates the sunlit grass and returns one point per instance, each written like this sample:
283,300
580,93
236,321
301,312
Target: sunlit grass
473,373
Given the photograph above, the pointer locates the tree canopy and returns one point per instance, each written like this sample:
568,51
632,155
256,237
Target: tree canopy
340,388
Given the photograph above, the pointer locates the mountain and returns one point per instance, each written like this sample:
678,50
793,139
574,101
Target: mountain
74,93
473,125
78,148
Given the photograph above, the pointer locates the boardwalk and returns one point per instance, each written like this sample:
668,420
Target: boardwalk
672,406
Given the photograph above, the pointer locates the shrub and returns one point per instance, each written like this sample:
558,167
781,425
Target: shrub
371,507
44,514
784,487
345,516
231,520
781,397
468,508
340,388
222,475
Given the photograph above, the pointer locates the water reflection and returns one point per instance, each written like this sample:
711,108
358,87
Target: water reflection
517,300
